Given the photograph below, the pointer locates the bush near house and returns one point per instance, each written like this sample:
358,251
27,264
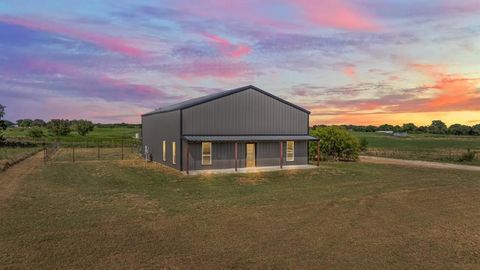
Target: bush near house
363,144
335,142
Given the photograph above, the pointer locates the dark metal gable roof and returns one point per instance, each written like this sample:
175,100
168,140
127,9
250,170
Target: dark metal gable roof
200,100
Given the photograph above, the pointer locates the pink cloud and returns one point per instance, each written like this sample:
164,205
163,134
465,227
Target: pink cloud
108,42
227,48
350,71
94,109
245,11
336,14
83,82
221,70
394,78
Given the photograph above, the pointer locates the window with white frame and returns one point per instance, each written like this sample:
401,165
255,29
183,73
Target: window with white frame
290,150
164,148
206,153
174,150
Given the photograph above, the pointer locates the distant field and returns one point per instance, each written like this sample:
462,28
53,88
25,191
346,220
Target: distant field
132,215
446,148
98,134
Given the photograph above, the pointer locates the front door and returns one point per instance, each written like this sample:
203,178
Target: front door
250,155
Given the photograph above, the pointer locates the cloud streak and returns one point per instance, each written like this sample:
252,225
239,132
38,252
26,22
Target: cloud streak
102,40
336,14
227,48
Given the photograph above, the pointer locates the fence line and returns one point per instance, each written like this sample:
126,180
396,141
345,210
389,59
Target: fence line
100,150
434,154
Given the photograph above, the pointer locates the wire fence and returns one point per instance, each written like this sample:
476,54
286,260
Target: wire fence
433,154
90,151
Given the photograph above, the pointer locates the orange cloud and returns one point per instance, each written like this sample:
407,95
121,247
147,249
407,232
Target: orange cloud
419,118
454,90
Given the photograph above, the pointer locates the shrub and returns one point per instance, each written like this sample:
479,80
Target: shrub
35,133
469,156
83,127
59,127
363,144
3,125
336,142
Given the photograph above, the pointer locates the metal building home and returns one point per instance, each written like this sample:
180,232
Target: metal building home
238,128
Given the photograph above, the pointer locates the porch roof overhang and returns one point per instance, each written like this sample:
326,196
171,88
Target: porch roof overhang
264,138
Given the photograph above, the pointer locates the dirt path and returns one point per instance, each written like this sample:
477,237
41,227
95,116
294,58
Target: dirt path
12,178
418,163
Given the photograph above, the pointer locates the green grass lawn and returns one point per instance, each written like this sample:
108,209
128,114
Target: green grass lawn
98,134
129,215
12,154
430,147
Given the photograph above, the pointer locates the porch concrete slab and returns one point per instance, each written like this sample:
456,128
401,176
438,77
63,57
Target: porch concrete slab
251,170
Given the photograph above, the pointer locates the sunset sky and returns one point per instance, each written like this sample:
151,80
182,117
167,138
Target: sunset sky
348,62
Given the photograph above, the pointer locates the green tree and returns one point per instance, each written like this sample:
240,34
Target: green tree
8,123
3,125
386,127
83,127
370,128
397,128
437,127
35,132
422,129
336,142
24,122
38,123
459,129
409,127
476,130
59,127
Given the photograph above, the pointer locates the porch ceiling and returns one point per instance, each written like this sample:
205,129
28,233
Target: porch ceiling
249,138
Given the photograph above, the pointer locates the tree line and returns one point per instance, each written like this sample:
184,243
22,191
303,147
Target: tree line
58,127
436,127
41,123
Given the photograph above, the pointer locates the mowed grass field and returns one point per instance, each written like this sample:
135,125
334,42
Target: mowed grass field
443,148
133,215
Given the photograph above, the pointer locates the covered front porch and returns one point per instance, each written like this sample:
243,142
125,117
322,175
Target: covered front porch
245,153
250,169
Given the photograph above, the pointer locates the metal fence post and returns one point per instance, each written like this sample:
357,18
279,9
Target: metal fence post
122,149
98,151
73,153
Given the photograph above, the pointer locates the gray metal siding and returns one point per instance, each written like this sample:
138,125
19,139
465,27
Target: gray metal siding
268,154
159,127
245,113
223,155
